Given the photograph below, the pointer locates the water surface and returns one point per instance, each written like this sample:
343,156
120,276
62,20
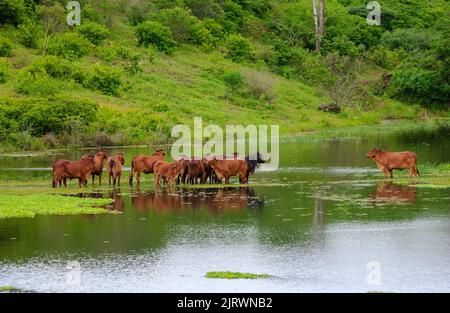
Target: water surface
315,224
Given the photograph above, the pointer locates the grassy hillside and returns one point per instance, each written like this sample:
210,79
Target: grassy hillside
101,87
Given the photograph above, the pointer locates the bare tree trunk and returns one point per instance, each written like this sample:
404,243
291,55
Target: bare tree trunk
45,45
318,12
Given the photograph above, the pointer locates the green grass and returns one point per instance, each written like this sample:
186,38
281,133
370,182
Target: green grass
5,289
235,275
44,204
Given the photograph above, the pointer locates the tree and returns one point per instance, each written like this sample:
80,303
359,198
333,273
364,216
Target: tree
318,12
53,19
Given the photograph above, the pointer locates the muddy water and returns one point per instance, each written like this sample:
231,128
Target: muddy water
324,221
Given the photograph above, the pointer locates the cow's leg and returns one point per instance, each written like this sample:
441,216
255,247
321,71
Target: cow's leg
64,181
138,177
100,179
243,178
93,178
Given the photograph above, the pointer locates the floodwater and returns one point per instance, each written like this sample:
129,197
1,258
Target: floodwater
325,221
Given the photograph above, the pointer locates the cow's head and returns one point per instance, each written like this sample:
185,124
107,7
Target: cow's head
121,158
102,153
160,152
373,152
260,158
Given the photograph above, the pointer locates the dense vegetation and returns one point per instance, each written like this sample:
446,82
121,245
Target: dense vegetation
133,69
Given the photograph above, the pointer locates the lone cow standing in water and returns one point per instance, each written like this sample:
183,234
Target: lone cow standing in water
389,161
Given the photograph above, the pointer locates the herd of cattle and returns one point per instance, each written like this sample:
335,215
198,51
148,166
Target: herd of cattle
193,171
181,171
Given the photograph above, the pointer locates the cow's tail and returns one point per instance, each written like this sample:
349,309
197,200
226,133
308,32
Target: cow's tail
417,171
132,172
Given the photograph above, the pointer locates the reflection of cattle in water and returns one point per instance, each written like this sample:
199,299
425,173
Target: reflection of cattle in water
216,200
119,203
390,192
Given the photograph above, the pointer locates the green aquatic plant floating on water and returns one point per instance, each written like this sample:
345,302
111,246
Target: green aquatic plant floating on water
235,275
30,205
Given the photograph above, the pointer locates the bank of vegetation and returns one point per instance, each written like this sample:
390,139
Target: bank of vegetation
133,69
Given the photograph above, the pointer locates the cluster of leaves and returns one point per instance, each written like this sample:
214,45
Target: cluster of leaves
47,75
40,116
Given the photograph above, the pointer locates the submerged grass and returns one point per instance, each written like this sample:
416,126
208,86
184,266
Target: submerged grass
43,204
235,275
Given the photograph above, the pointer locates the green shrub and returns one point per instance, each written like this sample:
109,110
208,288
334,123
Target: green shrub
410,39
5,47
4,71
202,36
93,32
69,45
57,68
385,58
12,11
138,13
234,81
342,45
419,85
29,33
131,58
154,33
232,19
185,27
180,22
214,28
37,82
204,8
106,53
39,116
105,79
239,48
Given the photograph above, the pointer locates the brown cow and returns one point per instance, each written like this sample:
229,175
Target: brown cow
389,161
114,168
143,163
99,159
196,171
168,170
63,169
224,169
